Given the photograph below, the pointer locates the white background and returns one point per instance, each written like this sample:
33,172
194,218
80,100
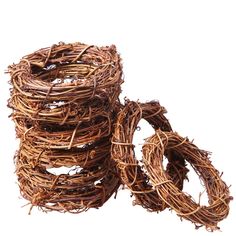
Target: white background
182,53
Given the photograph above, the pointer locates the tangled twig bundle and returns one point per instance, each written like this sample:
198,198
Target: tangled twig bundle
218,192
67,114
130,171
64,99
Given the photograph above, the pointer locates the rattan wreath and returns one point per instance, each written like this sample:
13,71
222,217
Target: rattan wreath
52,82
87,156
66,136
62,114
90,187
130,170
218,192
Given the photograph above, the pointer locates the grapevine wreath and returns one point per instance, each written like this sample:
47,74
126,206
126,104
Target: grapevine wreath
218,192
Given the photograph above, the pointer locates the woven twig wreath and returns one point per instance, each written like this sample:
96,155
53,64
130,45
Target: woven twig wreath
52,82
66,136
61,114
183,204
89,187
131,172
87,156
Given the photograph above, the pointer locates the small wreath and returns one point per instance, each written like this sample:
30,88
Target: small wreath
87,156
183,204
63,137
87,188
49,82
61,113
